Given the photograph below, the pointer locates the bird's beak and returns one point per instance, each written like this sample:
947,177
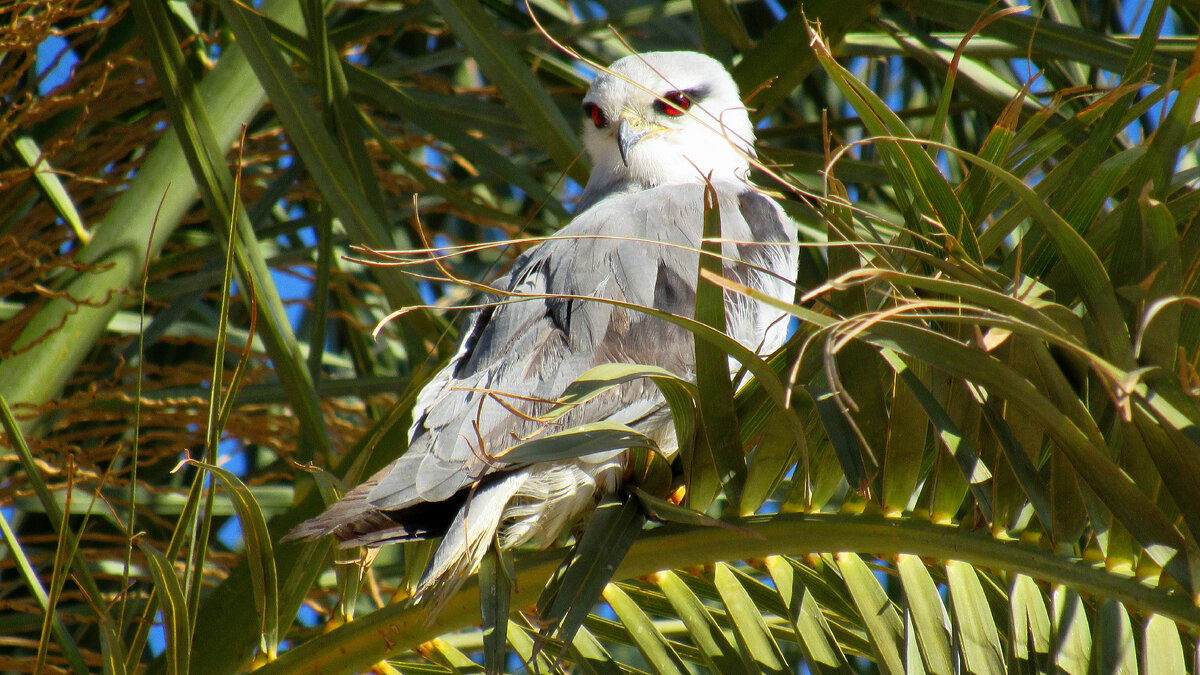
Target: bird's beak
631,130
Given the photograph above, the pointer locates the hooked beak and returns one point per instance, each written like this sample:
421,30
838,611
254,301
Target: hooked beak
628,134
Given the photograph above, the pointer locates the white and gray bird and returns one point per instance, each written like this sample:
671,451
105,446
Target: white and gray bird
656,125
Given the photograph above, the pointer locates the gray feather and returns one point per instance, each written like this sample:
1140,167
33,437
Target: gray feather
636,241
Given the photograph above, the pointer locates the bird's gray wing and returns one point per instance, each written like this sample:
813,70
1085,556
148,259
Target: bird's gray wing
768,256
518,352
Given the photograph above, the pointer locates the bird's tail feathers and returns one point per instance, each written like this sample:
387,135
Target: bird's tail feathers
466,542
352,519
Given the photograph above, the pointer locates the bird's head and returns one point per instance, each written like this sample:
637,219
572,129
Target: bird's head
665,117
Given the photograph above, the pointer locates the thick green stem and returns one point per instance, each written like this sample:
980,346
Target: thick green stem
397,628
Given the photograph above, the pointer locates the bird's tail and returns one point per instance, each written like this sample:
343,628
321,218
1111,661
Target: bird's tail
339,519
466,541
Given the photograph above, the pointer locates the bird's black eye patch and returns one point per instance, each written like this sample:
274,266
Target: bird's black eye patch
594,112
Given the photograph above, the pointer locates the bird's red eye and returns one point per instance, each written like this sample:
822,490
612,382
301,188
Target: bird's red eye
593,111
675,103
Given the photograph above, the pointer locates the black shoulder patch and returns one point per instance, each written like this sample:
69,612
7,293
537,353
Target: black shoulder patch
761,215
672,292
477,325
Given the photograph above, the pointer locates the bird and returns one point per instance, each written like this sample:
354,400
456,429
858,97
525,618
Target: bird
659,127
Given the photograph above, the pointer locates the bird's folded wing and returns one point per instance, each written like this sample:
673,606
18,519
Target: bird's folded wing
519,355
